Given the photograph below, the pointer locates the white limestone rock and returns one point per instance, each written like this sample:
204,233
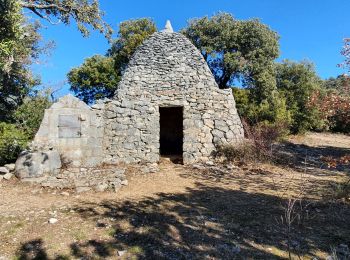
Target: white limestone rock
37,164
53,220
8,176
11,167
4,170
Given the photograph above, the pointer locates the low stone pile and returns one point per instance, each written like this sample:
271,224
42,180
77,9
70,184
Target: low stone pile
47,169
85,179
6,171
215,167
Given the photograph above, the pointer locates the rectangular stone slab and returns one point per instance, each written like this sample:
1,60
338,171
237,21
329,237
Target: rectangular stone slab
69,132
72,121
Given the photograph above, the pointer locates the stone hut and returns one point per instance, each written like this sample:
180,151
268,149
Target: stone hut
167,103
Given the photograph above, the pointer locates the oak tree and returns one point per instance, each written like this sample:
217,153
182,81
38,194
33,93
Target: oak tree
85,13
242,50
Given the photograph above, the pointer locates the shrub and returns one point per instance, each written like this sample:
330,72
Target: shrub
296,81
342,191
12,142
264,134
288,102
258,146
29,115
334,108
243,152
272,110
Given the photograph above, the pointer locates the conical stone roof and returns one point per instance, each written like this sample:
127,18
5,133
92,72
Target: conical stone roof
167,60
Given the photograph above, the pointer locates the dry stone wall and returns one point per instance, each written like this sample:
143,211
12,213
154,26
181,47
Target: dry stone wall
167,70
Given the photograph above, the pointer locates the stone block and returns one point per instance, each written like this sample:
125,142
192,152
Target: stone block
4,170
7,176
10,167
36,164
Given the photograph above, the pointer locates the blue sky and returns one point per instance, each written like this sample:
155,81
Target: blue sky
309,29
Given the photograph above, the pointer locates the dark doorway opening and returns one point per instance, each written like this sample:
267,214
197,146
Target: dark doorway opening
171,131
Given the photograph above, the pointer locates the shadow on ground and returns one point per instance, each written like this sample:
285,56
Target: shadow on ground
309,158
206,223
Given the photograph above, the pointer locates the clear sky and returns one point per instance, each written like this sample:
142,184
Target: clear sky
309,29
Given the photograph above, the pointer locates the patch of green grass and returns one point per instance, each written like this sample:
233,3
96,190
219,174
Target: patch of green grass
79,235
14,228
136,250
111,232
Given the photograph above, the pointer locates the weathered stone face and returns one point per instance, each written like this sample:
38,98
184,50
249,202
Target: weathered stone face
75,130
167,70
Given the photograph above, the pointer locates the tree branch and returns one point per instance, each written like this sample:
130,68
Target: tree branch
44,7
45,17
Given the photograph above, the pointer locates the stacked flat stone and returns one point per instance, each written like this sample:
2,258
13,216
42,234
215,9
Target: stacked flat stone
84,179
167,70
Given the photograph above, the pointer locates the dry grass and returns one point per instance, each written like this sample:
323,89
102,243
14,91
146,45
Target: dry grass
183,213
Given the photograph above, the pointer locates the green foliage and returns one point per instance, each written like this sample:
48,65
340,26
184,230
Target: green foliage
14,137
98,76
242,98
131,35
237,50
10,31
95,78
270,111
340,84
12,142
296,82
85,13
19,45
289,103
29,115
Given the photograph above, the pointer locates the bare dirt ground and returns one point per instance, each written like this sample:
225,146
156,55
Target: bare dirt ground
186,213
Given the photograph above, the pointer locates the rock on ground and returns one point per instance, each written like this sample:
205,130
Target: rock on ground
37,164
53,220
3,170
11,167
8,176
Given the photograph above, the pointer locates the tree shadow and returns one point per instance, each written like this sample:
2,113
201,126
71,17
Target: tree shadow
207,223
218,223
257,178
308,158
33,250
